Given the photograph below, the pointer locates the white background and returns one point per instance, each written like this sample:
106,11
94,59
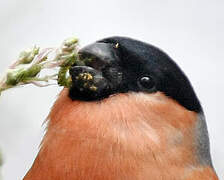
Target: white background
191,32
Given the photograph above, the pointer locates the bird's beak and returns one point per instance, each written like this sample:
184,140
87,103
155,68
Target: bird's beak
94,79
101,54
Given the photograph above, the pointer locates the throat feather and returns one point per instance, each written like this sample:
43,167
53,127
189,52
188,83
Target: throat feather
121,137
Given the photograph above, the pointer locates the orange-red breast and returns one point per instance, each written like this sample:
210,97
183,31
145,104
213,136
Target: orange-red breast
131,114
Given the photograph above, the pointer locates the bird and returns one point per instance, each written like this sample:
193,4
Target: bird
130,114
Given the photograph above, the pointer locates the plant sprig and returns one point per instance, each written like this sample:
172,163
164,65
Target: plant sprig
30,64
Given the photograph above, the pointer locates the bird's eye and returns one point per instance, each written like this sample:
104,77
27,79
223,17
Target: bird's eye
146,82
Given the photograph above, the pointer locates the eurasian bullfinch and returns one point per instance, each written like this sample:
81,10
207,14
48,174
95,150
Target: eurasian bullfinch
130,114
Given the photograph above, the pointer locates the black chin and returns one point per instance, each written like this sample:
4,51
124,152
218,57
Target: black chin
76,94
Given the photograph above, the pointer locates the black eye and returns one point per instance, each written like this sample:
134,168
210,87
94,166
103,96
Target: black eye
146,82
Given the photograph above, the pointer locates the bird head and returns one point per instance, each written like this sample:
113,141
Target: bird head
120,65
